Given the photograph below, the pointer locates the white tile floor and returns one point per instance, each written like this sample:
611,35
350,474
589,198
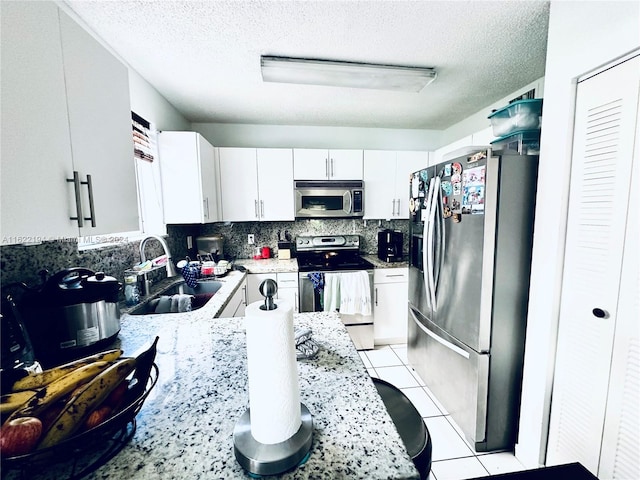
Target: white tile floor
452,457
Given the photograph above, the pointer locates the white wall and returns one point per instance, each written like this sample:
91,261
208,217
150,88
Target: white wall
298,136
582,36
150,105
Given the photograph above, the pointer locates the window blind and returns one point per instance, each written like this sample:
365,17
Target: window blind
144,141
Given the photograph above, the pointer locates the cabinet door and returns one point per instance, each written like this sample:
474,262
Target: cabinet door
209,199
36,154
237,303
97,87
390,305
288,288
345,164
239,184
181,180
275,184
406,163
253,286
310,164
380,201
606,115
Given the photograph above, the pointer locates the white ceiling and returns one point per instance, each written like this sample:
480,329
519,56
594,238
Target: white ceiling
204,56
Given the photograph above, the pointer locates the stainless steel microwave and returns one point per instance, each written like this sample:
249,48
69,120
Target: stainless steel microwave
329,198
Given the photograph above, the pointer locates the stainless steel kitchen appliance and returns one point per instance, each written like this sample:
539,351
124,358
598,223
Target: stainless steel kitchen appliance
471,232
329,198
390,245
321,255
212,245
75,311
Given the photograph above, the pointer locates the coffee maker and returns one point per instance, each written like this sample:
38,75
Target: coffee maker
390,245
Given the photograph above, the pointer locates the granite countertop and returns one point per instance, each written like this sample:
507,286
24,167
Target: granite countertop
185,428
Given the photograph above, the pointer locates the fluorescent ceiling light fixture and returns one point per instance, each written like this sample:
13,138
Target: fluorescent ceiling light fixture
345,74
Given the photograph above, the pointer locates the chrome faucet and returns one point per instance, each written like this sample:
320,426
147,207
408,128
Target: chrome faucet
171,269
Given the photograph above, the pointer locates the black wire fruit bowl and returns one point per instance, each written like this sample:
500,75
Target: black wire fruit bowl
83,453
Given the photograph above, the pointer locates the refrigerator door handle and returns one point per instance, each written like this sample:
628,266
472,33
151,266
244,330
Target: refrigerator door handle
434,186
439,339
426,245
442,238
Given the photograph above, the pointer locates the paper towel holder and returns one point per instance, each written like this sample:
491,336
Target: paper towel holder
268,288
258,458
272,459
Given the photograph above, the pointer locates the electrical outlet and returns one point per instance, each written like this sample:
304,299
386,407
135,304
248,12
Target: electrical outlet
189,242
251,239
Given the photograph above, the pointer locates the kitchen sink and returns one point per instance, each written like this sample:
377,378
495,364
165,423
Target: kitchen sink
202,293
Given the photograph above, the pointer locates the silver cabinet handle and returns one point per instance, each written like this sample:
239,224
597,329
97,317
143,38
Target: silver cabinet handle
393,207
255,206
92,213
376,296
332,173
244,294
326,166
76,187
262,208
398,207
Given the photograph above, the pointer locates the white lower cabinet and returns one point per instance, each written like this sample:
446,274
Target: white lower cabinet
237,303
287,286
390,292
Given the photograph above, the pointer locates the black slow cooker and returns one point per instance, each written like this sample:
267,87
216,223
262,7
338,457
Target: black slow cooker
75,311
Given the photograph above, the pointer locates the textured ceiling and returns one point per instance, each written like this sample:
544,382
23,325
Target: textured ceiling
204,57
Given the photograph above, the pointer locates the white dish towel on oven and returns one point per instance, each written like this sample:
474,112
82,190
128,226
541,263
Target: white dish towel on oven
355,293
331,294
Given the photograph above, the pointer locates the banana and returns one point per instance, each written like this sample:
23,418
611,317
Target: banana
144,362
37,380
10,402
57,389
77,409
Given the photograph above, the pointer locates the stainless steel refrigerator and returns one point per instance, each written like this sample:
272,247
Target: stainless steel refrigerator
470,244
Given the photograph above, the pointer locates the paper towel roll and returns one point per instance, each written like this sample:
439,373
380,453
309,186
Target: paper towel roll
274,390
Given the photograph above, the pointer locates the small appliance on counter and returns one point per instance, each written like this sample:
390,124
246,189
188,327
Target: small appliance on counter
17,352
212,245
73,312
390,245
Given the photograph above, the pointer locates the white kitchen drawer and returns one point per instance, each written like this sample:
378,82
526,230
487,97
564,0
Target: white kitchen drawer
390,275
287,279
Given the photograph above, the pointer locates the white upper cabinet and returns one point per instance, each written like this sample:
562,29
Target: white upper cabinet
65,109
101,138
256,184
322,164
187,165
35,202
275,183
386,177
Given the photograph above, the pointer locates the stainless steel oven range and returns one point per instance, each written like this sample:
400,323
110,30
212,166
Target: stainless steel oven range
328,254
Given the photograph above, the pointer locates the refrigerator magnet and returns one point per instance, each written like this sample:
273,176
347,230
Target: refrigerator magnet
447,170
457,188
457,168
447,188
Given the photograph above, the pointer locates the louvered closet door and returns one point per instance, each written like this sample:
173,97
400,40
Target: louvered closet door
620,457
606,113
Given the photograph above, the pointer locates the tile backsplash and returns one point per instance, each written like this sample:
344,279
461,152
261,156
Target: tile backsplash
22,263
266,233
